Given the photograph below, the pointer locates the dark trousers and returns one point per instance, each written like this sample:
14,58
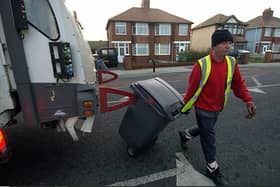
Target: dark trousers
206,130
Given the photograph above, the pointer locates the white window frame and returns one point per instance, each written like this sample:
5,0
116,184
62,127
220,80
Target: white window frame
163,29
140,49
162,49
276,32
267,31
276,47
183,29
236,29
120,28
140,29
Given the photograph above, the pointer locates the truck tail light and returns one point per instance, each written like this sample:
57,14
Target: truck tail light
88,113
2,141
88,108
88,104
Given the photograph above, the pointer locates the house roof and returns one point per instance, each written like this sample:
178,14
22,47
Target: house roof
261,22
148,15
216,20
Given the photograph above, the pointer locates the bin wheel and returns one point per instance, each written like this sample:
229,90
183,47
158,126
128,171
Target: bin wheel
131,151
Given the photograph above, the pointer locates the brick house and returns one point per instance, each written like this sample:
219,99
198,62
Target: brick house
142,34
201,34
263,33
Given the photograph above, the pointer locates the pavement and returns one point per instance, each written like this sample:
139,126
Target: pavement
159,70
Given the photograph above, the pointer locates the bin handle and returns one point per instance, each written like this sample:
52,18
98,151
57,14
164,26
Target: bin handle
176,114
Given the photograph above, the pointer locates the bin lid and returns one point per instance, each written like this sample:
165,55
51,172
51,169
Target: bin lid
168,100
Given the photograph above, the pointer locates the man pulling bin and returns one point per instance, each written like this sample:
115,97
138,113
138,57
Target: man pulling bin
210,82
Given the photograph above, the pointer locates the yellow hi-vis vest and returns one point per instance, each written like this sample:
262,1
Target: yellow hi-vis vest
205,66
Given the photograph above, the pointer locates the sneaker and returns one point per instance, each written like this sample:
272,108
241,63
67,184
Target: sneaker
183,139
217,177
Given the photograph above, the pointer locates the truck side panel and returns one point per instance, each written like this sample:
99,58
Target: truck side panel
19,64
6,101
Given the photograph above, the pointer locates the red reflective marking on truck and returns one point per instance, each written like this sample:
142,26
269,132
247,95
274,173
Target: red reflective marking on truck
2,141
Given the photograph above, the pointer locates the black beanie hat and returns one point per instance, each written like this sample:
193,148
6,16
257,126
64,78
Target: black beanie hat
220,36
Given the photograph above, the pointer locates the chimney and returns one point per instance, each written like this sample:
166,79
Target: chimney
145,4
267,14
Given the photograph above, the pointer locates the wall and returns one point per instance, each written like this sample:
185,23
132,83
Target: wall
201,38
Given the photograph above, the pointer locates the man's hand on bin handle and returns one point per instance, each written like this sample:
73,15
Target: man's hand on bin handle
186,113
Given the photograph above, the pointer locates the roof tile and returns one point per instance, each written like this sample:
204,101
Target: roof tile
148,15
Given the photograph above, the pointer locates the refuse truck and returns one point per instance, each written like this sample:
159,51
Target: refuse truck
47,72
48,75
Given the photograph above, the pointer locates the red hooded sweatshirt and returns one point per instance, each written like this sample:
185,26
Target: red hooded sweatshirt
213,93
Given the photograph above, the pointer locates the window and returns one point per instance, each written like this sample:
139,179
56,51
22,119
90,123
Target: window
140,49
140,29
120,28
267,31
276,47
183,29
235,29
162,49
163,29
276,32
41,17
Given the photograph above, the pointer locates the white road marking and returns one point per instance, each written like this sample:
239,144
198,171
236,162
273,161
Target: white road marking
147,179
185,174
256,81
268,85
257,90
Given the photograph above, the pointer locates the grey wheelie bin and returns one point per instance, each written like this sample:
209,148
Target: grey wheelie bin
157,104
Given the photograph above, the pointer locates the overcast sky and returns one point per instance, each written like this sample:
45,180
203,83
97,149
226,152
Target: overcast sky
94,16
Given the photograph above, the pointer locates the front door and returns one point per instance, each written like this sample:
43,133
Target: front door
265,48
122,50
121,53
180,47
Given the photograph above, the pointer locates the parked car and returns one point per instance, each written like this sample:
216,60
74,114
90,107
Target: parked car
234,52
109,56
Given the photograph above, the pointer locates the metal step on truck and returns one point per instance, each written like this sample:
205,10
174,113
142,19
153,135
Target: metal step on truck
47,72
